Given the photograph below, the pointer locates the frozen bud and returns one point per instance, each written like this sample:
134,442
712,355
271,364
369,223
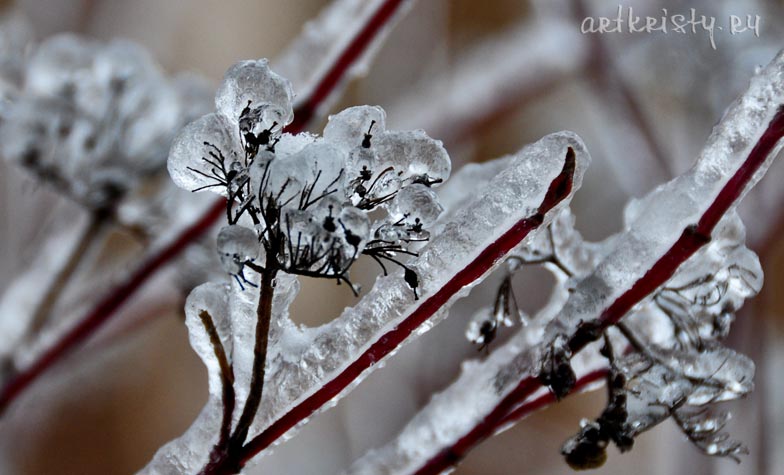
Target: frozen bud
390,234
236,246
356,127
201,154
251,87
311,175
482,328
356,226
59,64
587,449
123,62
415,202
415,155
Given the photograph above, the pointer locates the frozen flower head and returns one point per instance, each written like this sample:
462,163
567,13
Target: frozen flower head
92,118
308,200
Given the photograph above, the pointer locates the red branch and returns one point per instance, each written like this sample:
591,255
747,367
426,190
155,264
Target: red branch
690,241
108,306
307,109
559,189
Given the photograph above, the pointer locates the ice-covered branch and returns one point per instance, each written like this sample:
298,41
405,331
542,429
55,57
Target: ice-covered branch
518,202
665,230
335,48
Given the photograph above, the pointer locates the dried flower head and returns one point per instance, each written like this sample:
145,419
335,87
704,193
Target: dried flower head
301,203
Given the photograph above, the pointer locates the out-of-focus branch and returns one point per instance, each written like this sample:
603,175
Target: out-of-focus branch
494,78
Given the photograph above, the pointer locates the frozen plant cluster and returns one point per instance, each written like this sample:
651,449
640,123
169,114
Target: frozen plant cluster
93,119
296,205
302,204
645,310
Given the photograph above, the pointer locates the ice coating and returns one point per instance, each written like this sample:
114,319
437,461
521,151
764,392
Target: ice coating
653,225
309,197
199,141
188,454
518,189
415,154
348,127
252,84
416,203
237,245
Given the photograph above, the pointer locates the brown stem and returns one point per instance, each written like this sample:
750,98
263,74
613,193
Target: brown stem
263,316
225,457
87,239
226,375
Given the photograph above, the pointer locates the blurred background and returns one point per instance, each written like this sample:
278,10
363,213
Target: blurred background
486,78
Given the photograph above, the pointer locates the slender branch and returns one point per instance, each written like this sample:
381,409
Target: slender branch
226,373
309,105
559,189
691,240
107,308
86,240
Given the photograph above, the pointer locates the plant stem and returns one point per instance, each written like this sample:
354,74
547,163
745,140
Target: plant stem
263,316
225,458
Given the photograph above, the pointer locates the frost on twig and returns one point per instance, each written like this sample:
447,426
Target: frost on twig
683,238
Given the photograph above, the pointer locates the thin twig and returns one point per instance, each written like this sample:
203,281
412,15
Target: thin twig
86,240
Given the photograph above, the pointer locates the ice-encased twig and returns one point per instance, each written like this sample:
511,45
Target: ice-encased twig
333,49
311,368
665,229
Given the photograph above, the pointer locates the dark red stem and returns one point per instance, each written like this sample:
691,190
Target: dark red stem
109,305
559,189
691,240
